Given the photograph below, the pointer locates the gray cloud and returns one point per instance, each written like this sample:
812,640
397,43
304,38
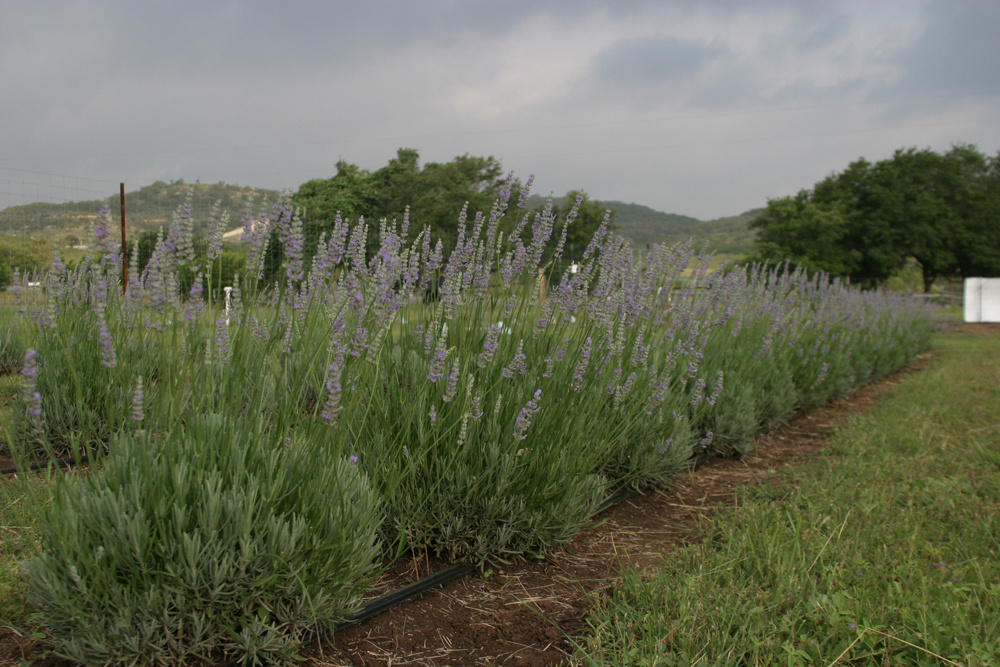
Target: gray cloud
656,60
700,108
958,53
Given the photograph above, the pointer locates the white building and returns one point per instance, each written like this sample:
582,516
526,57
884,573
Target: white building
982,299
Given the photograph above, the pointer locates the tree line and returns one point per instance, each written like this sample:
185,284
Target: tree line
867,222
435,194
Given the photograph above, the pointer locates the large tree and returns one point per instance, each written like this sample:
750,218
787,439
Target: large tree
435,193
866,222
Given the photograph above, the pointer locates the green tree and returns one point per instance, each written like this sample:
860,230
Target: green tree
912,200
349,193
878,247
435,194
974,195
807,234
865,223
26,256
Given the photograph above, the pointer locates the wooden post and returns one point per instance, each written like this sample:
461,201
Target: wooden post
541,284
124,245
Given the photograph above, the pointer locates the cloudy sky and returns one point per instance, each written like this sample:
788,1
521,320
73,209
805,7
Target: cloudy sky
700,108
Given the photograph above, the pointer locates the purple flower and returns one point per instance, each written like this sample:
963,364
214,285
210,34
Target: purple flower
108,356
452,388
35,404
217,225
29,370
222,340
581,366
293,240
822,374
524,417
525,191
33,399
354,460
438,364
333,390
717,390
699,391
490,345
518,364
137,399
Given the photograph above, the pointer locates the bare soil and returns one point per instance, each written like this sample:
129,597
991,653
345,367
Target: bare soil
521,615
977,328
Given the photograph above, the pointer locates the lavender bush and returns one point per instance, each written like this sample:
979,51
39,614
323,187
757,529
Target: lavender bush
213,542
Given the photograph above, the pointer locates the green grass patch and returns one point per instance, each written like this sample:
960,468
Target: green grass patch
884,551
22,504
10,386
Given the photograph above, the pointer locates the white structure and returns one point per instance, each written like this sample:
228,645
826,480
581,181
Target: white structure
982,299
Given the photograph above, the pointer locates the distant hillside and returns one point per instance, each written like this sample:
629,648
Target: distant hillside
152,206
145,209
641,225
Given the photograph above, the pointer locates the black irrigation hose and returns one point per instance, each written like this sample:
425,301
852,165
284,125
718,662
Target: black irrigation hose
392,598
61,463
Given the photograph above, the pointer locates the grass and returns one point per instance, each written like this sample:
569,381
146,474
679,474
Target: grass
884,551
22,504
10,385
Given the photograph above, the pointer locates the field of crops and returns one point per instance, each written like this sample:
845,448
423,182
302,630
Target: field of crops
262,451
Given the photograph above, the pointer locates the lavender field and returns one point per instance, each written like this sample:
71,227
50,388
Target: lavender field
262,453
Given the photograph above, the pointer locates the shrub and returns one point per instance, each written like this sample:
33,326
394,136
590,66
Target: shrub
220,541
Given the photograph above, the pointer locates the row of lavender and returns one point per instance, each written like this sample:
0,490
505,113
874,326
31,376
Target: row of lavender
261,449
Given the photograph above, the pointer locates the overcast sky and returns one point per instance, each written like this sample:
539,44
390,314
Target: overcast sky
705,109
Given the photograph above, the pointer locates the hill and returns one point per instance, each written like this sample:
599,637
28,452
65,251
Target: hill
641,225
151,206
145,209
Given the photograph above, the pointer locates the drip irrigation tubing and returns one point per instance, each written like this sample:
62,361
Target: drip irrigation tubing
404,593
59,463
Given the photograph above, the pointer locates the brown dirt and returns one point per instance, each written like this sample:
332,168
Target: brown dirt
977,327
522,614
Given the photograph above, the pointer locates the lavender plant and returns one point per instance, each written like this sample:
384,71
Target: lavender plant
225,541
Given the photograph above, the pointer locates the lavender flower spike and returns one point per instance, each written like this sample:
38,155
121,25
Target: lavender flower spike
452,387
333,389
137,399
30,372
524,417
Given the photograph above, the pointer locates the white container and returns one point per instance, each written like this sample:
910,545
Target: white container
982,299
